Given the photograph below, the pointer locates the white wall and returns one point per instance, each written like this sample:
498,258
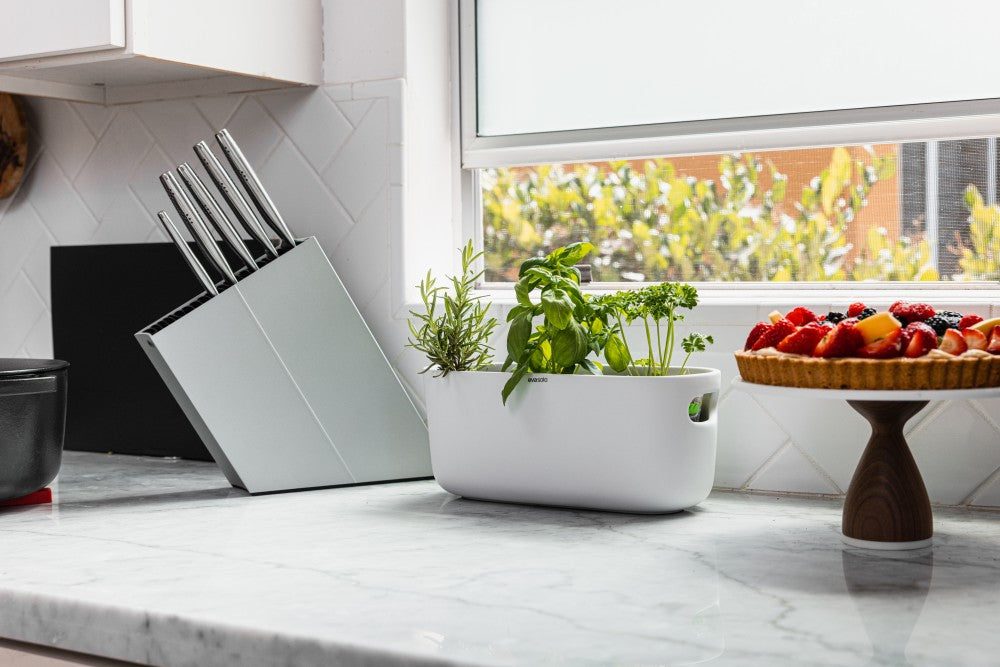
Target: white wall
363,163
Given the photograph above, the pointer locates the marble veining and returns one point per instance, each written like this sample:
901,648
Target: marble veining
160,562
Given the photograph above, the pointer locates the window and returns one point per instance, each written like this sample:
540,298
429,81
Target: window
888,212
836,153
554,65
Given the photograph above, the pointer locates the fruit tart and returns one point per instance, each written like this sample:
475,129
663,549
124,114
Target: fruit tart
909,346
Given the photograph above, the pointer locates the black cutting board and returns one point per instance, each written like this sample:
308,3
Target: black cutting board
101,296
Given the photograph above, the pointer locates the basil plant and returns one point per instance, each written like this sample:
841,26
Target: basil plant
570,328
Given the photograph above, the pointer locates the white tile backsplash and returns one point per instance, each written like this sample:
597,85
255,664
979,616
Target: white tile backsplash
354,110
829,432
305,198
108,169
313,123
23,298
126,221
20,230
744,451
357,174
256,131
961,449
218,109
362,258
790,470
333,160
95,116
68,137
148,190
177,125
67,218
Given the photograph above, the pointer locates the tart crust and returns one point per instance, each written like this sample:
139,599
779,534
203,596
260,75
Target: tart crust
921,373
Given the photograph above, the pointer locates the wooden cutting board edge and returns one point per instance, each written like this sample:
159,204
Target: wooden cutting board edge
13,144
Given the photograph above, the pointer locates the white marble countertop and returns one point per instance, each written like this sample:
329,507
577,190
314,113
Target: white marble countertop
159,562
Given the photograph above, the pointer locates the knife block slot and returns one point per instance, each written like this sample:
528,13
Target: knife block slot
176,314
284,382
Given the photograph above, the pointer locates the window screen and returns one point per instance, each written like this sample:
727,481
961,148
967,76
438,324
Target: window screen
886,212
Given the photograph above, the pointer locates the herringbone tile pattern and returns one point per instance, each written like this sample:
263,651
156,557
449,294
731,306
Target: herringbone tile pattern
333,161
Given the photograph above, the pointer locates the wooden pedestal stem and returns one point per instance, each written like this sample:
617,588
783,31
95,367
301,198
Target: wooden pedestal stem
887,500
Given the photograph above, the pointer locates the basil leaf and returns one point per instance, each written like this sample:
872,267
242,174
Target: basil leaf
558,307
569,346
536,273
515,378
529,263
521,290
537,360
507,363
572,253
616,353
517,336
516,312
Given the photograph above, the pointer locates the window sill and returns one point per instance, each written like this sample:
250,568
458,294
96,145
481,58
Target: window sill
825,293
729,314
724,305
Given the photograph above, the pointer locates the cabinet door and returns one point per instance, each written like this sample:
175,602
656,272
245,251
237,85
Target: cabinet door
35,28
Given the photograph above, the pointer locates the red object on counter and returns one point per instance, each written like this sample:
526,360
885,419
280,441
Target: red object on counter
40,497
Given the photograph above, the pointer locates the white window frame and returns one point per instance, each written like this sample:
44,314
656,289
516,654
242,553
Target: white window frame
905,123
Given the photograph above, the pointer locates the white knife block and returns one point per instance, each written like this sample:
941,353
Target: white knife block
285,384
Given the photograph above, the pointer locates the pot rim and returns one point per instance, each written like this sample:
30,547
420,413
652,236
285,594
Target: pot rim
21,368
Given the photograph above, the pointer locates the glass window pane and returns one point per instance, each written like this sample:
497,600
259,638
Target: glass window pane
570,64
895,212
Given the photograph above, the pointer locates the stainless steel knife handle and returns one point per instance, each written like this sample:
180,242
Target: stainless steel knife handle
231,193
215,214
189,258
196,225
254,187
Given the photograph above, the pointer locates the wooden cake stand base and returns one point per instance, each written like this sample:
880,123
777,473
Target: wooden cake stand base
887,506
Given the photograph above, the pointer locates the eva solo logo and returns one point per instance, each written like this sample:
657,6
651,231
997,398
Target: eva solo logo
538,379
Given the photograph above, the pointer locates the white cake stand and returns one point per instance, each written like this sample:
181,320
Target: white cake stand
887,505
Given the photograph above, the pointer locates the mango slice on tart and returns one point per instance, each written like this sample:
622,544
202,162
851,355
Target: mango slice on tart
987,326
877,327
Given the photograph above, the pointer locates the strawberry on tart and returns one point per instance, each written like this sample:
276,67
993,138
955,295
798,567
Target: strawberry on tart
910,346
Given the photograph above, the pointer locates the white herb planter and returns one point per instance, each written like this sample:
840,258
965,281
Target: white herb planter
608,442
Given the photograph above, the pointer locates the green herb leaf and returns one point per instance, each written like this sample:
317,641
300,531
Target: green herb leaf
571,254
558,307
529,263
507,363
522,291
539,359
696,342
616,353
454,329
569,346
517,311
517,336
537,275
515,378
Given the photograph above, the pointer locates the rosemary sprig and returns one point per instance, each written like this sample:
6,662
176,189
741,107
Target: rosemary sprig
454,330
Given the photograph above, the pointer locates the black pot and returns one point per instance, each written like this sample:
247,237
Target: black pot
32,423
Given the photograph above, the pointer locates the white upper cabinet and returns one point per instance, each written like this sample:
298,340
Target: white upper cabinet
116,51
52,27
